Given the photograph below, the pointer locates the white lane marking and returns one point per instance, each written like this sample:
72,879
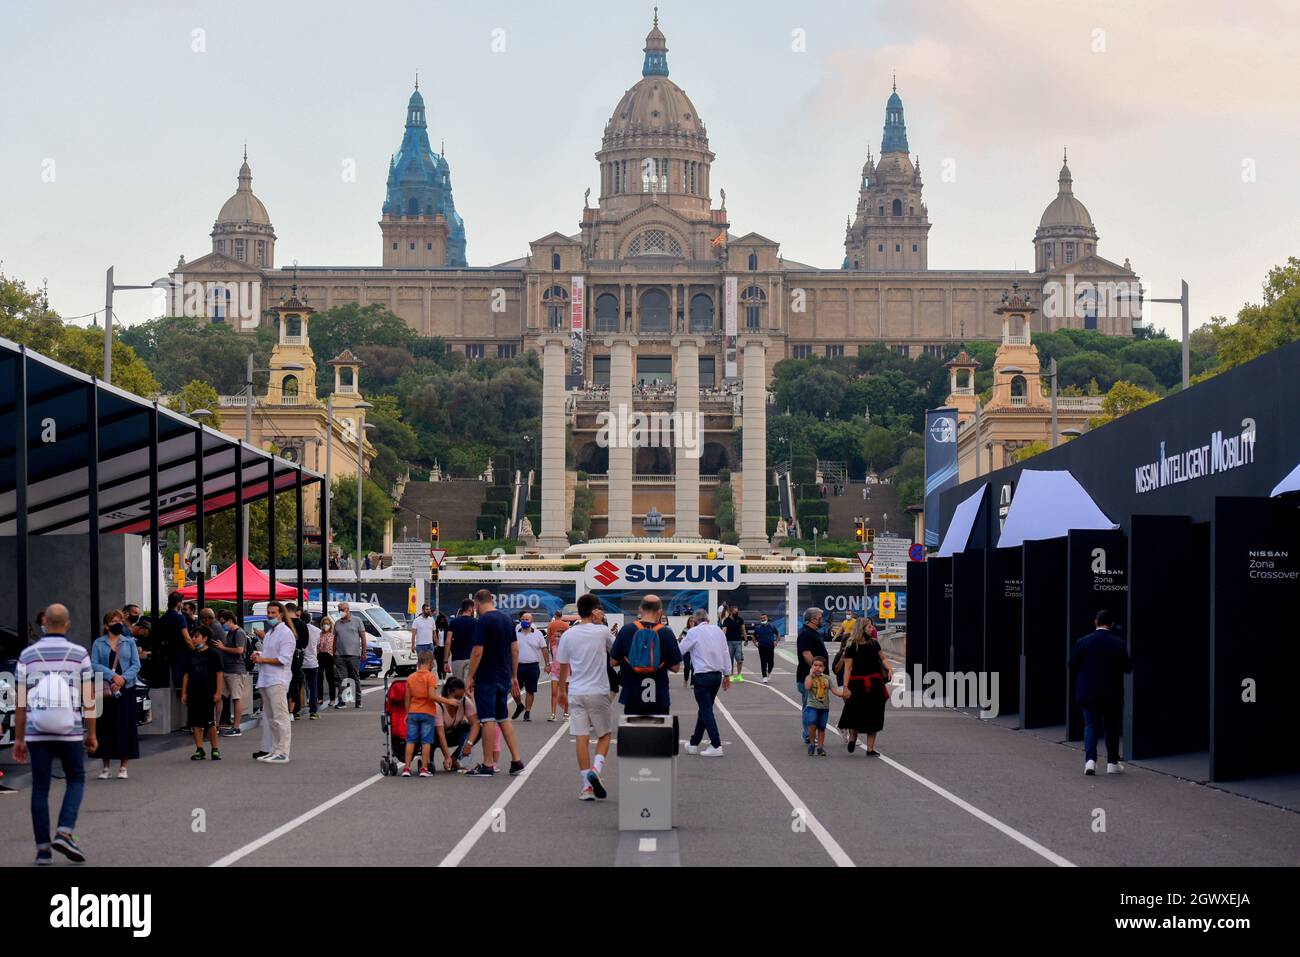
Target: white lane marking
298,821
480,827
648,845
966,806
836,852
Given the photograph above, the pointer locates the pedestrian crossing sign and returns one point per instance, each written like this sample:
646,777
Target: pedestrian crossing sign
888,605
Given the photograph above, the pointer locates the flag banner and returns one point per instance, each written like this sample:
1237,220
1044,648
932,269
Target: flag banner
576,330
940,465
729,323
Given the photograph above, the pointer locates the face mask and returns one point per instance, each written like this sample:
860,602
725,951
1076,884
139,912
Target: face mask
117,628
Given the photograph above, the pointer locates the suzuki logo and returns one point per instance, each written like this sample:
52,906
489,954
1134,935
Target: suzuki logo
606,573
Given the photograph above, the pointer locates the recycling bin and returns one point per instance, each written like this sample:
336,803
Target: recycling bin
647,770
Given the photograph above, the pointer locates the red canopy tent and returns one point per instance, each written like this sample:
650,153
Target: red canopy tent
257,586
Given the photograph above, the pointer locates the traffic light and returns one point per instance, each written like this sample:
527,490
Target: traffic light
433,533
860,532
870,536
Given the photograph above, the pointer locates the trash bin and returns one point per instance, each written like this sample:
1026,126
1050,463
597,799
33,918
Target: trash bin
647,769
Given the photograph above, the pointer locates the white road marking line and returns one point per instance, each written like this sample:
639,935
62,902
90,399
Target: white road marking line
648,845
298,821
966,806
832,847
480,827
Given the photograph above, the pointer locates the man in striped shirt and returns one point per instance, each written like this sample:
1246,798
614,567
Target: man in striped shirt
56,691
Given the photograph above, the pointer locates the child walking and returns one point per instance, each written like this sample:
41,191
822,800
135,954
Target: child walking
817,711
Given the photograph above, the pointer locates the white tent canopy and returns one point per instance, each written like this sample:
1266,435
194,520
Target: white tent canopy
963,521
1048,505
1289,484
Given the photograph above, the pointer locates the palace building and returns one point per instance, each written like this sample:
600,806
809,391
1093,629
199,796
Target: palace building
654,290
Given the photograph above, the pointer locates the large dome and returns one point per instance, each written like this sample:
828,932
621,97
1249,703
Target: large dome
1065,210
244,207
656,107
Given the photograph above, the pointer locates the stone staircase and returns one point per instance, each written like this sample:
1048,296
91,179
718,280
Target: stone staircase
455,504
882,500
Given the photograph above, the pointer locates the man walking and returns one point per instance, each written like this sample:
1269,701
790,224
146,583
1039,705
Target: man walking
646,651
583,654
734,626
765,637
808,645
1100,660
422,631
349,649
533,653
707,645
274,663
56,690
462,639
492,677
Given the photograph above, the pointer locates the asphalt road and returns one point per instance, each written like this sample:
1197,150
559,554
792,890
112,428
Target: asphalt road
950,789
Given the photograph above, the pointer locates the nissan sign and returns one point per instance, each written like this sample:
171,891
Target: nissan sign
648,575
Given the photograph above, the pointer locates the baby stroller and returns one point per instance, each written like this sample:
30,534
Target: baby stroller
393,723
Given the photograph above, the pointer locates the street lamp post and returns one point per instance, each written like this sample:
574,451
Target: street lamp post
1184,301
109,288
361,448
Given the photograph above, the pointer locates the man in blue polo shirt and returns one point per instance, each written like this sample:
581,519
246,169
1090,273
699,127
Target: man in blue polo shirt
493,678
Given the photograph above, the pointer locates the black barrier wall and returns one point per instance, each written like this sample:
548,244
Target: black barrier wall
968,611
1254,648
1097,576
1042,660
938,652
1003,600
917,575
1167,710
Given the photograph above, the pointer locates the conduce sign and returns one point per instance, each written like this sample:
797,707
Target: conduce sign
648,575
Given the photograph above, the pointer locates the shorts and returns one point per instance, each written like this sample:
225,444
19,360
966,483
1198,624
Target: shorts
591,715
529,673
421,729
736,651
490,698
459,668
815,716
236,686
420,649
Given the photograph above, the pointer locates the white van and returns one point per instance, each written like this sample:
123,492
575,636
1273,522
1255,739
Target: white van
382,631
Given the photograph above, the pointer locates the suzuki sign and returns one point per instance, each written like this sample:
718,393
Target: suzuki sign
649,575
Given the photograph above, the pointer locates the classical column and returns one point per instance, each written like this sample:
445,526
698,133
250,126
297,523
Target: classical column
688,435
753,513
554,531
620,452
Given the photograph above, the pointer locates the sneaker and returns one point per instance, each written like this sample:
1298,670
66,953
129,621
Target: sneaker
873,754
1090,768
595,785
566,716
198,755
516,767
479,771
235,733
67,846
552,717
259,755
821,752
315,716
1116,767
293,717
425,773
692,748
105,774
121,774
765,681
340,706
528,716
406,770
711,752
44,858
358,704
812,749
586,794
276,759
216,754
519,709
805,737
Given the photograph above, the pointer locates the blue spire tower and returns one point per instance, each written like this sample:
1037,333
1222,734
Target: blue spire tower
656,51
895,137
420,224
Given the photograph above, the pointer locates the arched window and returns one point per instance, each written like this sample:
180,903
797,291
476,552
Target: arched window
607,312
555,260
654,242
701,313
1019,389
219,302
654,311
753,261
555,302
293,325
412,207
752,300
898,207
289,388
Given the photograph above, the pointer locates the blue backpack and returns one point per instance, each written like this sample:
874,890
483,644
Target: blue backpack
643,655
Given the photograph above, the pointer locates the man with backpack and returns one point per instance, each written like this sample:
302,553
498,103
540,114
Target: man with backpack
646,651
56,690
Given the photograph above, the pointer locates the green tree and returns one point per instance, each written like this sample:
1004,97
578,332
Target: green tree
196,395
83,348
1121,399
1262,328
1082,367
181,349
376,510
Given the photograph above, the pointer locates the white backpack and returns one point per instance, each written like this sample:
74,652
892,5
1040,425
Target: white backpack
52,706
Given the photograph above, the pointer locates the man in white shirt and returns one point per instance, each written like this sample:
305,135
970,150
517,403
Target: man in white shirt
707,644
533,651
583,655
274,663
422,631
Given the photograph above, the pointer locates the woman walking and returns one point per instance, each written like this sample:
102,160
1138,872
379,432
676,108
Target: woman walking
866,672
116,661
326,675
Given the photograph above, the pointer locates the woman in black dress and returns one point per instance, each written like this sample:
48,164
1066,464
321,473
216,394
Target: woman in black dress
116,661
866,672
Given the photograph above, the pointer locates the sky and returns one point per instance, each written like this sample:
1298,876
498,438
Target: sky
122,126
